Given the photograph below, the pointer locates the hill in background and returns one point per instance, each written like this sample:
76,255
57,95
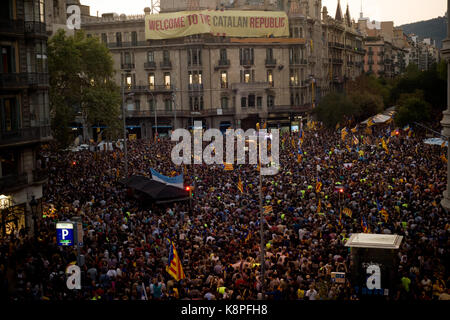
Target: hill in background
434,28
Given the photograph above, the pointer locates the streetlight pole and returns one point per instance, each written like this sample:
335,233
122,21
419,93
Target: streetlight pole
124,131
446,118
261,219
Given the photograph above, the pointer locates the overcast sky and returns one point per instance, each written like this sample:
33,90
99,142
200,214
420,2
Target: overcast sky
399,11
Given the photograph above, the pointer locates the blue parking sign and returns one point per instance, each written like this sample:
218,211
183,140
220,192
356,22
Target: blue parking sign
64,233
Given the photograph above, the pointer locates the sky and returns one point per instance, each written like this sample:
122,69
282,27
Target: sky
399,11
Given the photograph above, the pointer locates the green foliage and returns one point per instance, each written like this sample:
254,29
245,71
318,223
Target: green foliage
433,83
81,71
333,109
412,107
366,105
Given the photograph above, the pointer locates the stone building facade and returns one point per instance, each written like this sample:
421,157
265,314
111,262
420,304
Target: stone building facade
24,110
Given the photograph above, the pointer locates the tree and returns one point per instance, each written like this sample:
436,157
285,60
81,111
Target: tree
81,78
334,108
366,105
412,108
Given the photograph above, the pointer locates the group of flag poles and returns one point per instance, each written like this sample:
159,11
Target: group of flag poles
174,267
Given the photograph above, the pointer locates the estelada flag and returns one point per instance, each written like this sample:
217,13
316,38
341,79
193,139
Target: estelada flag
347,212
267,209
240,185
318,186
174,267
228,167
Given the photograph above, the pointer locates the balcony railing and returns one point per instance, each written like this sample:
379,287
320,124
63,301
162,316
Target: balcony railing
35,28
12,26
38,79
149,88
13,181
271,62
338,61
336,45
15,80
298,62
40,175
127,66
247,62
289,108
167,64
224,63
196,87
150,65
25,135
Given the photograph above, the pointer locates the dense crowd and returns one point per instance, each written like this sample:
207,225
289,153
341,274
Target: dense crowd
217,239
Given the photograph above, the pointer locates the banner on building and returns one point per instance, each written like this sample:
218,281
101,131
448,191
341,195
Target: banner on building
219,23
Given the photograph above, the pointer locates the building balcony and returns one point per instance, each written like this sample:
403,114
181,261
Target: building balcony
224,63
13,182
195,87
40,176
22,80
151,89
271,62
298,84
289,108
15,27
38,79
336,45
151,65
25,135
295,62
166,65
34,28
247,62
338,61
127,66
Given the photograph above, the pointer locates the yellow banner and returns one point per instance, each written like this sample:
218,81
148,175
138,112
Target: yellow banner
218,23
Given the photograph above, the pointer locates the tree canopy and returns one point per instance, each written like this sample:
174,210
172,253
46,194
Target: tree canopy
81,81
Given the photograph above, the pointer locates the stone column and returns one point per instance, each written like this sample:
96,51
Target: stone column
446,118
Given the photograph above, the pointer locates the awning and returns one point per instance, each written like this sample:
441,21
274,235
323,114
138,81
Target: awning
382,117
157,191
435,141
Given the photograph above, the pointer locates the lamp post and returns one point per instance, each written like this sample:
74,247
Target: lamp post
124,118
446,118
33,205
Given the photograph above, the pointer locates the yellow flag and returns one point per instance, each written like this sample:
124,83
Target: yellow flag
443,158
385,147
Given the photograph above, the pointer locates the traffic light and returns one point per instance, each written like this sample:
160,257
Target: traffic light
190,189
74,163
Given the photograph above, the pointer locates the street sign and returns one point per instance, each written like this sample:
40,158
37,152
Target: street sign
64,233
79,234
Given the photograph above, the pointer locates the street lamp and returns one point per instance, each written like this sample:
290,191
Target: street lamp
125,128
33,205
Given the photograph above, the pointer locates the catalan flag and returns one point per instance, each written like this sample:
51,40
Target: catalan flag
370,123
248,236
364,225
355,140
319,207
344,134
267,209
300,136
348,212
240,185
228,167
443,158
385,214
354,129
174,267
385,147
318,186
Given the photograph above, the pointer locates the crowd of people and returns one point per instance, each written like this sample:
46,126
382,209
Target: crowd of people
217,238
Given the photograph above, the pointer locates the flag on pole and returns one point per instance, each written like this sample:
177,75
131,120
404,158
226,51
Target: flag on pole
319,207
267,209
228,167
174,267
348,212
355,140
364,225
344,133
354,129
318,186
385,147
443,158
370,122
240,185
385,214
